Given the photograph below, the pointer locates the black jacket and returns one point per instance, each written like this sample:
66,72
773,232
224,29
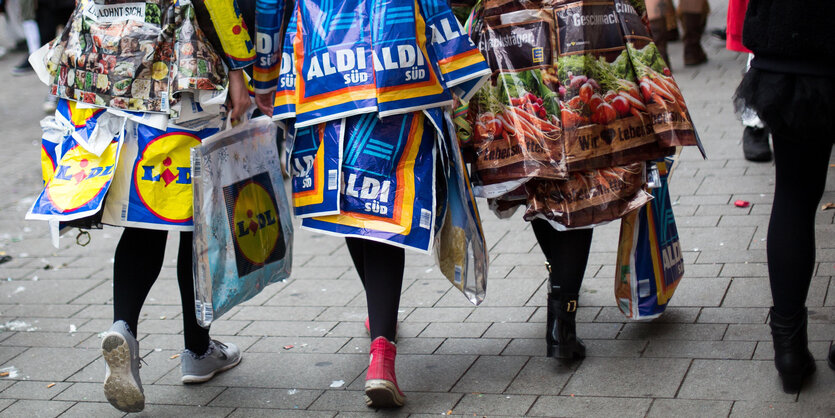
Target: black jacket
791,36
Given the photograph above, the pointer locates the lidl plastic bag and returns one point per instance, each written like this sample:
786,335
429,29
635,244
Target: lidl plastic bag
460,247
153,187
649,263
76,181
243,235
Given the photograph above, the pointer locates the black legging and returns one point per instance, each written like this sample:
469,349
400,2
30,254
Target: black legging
380,267
801,167
137,265
566,251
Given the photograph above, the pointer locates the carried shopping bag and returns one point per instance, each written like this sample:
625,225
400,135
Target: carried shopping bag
460,246
649,264
243,235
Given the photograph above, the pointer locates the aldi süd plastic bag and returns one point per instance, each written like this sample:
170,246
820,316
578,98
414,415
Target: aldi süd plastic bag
243,235
460,247
649,264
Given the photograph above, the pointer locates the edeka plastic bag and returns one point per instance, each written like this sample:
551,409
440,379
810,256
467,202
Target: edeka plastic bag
460,247
587,198
649,263
388,182
153,186
671,120
315,169
79,182
243,235
558,102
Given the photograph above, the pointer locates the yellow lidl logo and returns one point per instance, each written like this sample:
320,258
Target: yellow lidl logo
254,222
80,177
162,176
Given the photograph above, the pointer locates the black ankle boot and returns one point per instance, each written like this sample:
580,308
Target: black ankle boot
755,144
561,335
791,349
831,358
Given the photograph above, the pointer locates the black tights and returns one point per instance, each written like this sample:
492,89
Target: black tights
801,167
567,252
380,267
137,265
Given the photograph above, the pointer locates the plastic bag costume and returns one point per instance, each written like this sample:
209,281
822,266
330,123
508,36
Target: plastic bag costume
365,88
578,101
139,86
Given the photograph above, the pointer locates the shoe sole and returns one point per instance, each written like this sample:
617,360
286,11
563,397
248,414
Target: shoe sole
380,393
187,379
120,386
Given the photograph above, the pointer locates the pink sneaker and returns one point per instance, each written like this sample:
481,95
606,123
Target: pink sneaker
381,390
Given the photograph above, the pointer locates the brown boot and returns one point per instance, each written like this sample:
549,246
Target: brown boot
659,37
694,26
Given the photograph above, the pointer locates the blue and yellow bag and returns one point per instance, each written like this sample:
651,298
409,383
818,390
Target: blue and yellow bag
649,263
388,182
315,169
153,187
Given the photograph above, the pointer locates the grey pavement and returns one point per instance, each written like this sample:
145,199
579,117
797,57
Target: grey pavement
305,347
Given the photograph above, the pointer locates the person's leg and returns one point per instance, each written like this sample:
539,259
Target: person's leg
801,166
567,253
755,135
195,338
136,265
693,15
203,357
355,248
383,271
381,268
657,15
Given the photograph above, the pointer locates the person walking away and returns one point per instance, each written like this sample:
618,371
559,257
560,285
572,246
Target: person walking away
791,85
755,136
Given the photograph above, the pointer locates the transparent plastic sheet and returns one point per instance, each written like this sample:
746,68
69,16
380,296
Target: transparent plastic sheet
649,262
588,198
460,247
243,235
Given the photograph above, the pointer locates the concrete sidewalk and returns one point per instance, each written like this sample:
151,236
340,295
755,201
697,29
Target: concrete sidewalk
305,343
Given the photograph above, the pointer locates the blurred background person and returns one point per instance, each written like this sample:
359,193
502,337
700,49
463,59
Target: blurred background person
791,85
693,17
755,136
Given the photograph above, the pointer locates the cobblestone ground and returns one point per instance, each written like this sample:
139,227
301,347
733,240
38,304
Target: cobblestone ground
709,355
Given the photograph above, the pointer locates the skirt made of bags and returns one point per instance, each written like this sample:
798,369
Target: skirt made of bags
795,104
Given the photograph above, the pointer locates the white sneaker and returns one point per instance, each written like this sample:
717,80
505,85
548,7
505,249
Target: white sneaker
122,385
220,358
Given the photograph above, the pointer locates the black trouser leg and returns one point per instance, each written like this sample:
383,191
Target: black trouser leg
380,267
195,337
566,251
136,265
801,167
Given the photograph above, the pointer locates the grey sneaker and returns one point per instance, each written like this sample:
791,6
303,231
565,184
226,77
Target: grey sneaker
122,386
219,358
